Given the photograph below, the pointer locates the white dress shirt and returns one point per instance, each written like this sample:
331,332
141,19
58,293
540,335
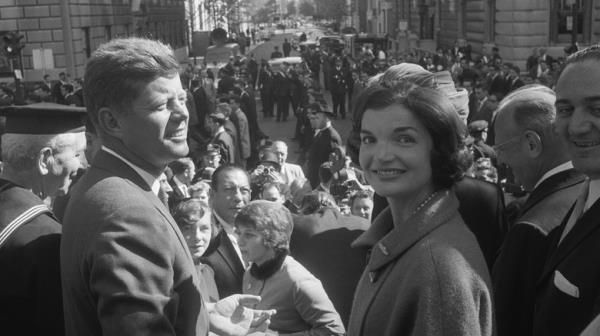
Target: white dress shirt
231,234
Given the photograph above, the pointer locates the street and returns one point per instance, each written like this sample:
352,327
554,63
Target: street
285,130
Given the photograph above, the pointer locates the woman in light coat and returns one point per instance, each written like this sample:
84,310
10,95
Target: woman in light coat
426,274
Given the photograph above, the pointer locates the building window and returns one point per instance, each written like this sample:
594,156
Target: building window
87,42
108,33
570,19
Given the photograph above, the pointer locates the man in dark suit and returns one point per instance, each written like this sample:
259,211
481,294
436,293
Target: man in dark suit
56,89
514,78
282,90
276,53
325,139
498,83
252,67
321,242
339,87
287,48
125,266
230,192
568,290
540,162
183,170
42,150
265,85
204,107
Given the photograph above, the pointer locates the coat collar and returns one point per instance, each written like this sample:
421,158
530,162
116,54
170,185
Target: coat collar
582,229
552,184
391,241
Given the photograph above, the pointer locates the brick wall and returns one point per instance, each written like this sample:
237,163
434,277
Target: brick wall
42,24
520,26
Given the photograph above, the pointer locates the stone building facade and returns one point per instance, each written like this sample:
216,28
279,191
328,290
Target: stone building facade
514,26
60,35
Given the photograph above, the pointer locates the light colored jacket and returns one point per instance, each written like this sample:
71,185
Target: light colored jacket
303,307
425,277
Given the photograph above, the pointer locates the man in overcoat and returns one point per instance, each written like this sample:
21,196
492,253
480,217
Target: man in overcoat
325,139
526,142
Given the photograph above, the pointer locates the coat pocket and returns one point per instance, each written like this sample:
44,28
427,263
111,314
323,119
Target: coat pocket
565,285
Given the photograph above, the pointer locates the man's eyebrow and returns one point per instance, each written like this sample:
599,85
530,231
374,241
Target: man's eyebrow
591,99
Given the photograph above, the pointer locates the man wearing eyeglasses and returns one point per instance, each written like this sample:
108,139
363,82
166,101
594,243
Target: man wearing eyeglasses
526,142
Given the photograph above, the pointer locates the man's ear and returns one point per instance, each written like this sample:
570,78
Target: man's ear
44,160
108,121
534,143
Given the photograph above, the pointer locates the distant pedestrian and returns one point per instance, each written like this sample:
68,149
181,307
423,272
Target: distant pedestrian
276,53
287,48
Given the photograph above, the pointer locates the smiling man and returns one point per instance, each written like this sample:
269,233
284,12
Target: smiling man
125,267
569,287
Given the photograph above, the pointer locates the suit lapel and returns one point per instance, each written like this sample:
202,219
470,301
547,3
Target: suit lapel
390,242
116,167
551,185
582,229
228,253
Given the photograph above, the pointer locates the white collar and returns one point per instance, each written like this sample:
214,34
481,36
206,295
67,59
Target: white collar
560,168
150,179
327,125
593,194
220,130
226,226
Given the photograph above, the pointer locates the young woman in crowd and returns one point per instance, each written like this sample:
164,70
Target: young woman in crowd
426,274
301,304
193,216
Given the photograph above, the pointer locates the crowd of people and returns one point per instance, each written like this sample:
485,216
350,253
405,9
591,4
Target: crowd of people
163,208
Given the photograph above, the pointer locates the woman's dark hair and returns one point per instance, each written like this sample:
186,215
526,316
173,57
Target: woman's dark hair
449,157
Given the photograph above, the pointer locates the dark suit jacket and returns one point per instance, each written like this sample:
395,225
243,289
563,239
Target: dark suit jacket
318,153
282,85
498,86
338,82
321,243
30,290
568,292
222,258
481,205
522,255
265,81
226,84
126,268
248,106
203,108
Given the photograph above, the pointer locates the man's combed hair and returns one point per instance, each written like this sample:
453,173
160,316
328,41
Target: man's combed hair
533,106
117,70
590,53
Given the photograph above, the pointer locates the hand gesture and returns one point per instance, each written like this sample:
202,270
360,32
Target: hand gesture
231,316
